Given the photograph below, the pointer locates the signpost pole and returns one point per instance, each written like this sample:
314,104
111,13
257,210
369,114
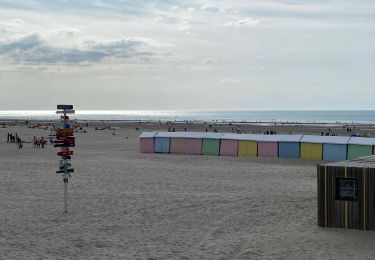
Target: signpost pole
66,193
64,140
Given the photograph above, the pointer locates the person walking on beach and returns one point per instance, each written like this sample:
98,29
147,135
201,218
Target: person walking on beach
37,143
8,138
42,142
19,142
34,141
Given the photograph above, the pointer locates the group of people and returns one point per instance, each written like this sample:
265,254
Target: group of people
14,138
39,142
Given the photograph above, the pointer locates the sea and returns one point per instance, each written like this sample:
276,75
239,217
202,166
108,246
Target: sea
295,116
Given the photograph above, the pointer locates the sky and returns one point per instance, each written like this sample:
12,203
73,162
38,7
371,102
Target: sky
182,55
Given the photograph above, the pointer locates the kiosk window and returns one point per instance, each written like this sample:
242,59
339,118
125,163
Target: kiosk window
346,189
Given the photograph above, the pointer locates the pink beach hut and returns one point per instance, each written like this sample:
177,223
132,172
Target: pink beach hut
229,144
146,142
186,142
267,146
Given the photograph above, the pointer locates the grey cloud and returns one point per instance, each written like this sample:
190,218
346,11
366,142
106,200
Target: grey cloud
33,49
46,54
24,43
120,48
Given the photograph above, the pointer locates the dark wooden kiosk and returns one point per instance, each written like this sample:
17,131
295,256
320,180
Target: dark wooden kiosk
346,194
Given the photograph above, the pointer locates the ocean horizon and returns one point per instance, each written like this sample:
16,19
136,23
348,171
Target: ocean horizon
256,116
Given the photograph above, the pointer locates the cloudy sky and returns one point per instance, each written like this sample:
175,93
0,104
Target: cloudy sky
196,54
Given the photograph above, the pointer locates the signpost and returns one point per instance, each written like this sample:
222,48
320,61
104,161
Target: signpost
65,140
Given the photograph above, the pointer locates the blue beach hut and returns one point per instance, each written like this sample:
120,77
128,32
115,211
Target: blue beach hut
335,148
162,142
289,146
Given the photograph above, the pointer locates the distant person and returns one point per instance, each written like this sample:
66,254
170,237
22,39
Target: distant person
42,142
19,142
8,138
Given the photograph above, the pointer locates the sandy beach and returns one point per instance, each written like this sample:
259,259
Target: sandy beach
128,205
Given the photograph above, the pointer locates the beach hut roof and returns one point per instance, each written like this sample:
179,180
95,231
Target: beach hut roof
263,138
288,138
251,137
246,137
164,134
190,135
212,135
229,136
180,134
186,134
362,141
325,139
266,138
147,134
362,162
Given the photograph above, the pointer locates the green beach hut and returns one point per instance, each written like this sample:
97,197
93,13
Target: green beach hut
211,143
359,147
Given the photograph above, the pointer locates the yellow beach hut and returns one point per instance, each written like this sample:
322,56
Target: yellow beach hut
247,145
311,147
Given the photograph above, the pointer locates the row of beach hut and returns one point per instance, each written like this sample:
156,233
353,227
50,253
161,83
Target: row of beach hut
306,147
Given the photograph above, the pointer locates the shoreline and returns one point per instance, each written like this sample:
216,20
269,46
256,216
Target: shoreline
291,123
322,128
